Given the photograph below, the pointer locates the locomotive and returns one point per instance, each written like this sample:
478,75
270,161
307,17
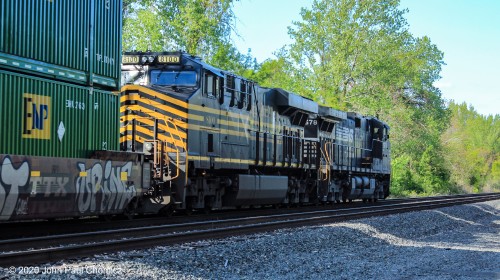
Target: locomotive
86,135
216,140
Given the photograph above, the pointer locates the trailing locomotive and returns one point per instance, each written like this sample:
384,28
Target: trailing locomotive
218,140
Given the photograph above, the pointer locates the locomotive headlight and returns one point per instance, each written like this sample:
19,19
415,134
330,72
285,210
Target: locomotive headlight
144,59
148,148
151,59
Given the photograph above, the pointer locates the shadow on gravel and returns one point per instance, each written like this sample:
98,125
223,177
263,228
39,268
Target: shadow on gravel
438,244
449,243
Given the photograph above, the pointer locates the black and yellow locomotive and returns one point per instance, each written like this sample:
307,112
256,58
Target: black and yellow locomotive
217,140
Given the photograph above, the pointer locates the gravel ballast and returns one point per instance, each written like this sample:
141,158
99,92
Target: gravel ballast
459,242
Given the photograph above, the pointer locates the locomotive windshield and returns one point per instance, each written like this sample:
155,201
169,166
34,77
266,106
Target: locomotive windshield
173,78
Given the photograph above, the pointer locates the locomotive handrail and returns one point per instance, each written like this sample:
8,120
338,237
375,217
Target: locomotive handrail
350,149
328,161
172,145
177,152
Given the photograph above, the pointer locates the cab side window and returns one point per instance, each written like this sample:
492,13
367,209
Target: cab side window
210,85
230,87
219,89
243,94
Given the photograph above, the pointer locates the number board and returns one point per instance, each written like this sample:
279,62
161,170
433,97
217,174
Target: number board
130,59
311,129
169,58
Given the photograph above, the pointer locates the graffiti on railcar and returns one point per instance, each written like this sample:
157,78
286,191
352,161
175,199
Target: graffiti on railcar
108,182
13,176
33,187
49,192
55,186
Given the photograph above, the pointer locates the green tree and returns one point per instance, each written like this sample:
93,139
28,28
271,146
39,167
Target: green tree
142,29
472,144
199,27
359,56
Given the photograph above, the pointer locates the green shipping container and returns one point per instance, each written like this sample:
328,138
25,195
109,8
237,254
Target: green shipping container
70,40
41,117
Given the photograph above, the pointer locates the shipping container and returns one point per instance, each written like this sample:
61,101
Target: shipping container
41,117
78,41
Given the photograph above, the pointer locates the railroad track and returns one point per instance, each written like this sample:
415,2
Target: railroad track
32,250
27,229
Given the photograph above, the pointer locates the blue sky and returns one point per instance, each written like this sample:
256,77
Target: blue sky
467,31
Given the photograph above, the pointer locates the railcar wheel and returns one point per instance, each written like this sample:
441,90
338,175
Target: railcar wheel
209,202
105,218
167,211
129,211
128,214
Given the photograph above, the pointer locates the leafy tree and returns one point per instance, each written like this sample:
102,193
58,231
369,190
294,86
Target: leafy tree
199,27
359,56
403,181
472,144
142,29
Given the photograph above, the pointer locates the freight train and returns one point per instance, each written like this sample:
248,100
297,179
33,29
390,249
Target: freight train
180,135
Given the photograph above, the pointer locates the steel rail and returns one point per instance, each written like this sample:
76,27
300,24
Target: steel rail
71,245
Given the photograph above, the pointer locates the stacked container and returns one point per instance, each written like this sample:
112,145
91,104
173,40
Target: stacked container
59,65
